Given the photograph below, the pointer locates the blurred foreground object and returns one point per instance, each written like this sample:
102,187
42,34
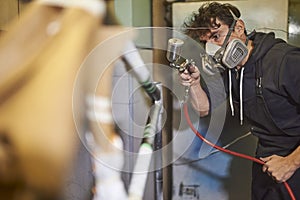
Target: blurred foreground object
40,56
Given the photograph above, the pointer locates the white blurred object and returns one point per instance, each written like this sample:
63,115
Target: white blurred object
138,182
99,109
136,62
96,7
109,184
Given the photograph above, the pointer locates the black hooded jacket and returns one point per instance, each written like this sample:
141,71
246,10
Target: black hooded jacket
280,70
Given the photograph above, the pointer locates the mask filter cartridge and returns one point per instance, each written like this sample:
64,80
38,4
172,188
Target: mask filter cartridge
234,53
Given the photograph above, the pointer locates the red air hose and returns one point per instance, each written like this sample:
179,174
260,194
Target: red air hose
185,108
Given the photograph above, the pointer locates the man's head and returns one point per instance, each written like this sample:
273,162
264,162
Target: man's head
213,21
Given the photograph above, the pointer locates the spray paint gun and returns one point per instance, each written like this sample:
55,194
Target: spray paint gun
174,57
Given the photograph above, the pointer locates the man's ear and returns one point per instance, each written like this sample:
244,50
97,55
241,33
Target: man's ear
240,27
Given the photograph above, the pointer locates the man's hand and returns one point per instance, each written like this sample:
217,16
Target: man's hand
278,167
190,76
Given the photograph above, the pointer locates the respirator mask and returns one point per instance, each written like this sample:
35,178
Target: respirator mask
229,55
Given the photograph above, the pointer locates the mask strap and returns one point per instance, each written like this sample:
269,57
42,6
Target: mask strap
229,34
218,56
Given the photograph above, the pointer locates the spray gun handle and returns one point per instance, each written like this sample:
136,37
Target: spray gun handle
188,64
186,93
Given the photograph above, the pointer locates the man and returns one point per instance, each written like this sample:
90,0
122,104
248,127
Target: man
265,84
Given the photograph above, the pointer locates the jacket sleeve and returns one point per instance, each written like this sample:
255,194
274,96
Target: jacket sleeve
290,76
215,89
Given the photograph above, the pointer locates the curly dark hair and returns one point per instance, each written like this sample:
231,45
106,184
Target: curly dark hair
200,22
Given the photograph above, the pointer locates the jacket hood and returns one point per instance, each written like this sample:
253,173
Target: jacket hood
263,42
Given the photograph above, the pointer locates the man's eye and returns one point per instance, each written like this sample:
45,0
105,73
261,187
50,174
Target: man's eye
215,36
